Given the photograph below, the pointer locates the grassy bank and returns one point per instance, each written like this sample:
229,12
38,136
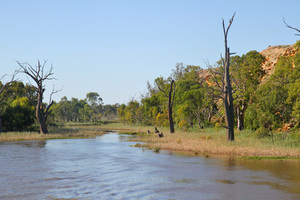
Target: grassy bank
55,132
213,142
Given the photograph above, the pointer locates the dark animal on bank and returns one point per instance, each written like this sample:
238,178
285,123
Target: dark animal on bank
160,135
156,131
148,132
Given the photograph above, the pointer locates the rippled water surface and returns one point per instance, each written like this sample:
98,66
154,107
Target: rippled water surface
107,167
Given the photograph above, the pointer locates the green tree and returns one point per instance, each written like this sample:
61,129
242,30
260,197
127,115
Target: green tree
3,86
95,104
121,113
62,110
275,102
150,107
19,116
247,73
131,115
190,96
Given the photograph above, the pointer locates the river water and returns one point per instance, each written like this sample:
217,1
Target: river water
107,167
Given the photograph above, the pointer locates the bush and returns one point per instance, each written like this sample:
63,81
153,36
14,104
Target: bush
262,132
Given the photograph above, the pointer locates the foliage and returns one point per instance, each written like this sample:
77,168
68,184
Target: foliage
16,112
90,109
19,116
276,102
247,75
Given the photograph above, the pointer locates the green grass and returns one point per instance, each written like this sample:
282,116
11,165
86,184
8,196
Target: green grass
267,158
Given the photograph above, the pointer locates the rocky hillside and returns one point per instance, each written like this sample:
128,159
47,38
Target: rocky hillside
272,53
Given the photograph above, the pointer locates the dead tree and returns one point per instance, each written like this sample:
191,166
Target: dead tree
227,90
171,95
38,74
3,86
291,27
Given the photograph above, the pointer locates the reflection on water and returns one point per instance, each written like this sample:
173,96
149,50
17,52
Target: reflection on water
108,168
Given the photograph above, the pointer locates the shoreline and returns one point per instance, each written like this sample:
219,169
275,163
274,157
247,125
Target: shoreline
205,142
212,142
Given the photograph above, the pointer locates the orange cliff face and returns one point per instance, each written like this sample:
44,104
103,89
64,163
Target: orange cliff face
272,54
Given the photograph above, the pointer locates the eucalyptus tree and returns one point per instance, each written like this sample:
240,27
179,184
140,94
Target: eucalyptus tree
247,73
93,107
190,98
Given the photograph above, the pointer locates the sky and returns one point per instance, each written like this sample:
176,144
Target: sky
113,47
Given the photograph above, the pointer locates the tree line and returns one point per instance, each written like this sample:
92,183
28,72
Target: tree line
229,94
18,110
263,104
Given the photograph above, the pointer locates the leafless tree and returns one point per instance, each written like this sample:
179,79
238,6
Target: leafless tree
39,75
227,90
291,27
222,88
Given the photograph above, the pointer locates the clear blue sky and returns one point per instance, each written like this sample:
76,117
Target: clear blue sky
113,47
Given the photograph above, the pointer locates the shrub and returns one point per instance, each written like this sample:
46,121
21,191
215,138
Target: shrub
262,132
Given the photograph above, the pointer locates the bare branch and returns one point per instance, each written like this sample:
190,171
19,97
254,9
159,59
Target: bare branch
13,79
226,30
215,79
291,27
54,92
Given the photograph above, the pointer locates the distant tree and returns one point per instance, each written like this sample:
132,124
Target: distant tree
131,112
109,112
62,110
121,113
39,75
151,106
93,98
94,106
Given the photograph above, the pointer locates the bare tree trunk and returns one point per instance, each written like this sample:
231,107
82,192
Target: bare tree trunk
227,90
170,105
171,94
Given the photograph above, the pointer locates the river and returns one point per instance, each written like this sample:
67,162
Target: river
107,167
